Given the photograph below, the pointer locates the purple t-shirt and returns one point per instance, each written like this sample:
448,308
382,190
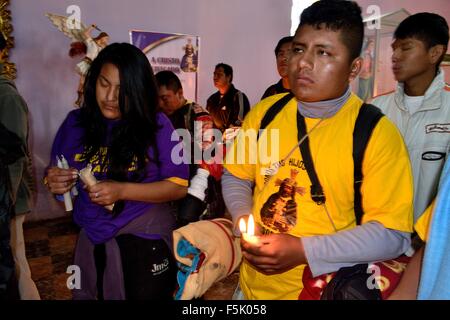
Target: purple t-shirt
98,222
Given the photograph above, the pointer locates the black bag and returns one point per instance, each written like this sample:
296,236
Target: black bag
350,283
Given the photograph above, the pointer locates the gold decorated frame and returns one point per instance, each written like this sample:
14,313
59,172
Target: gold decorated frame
9,68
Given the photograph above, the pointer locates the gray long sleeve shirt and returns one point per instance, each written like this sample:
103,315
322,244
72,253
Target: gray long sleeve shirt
370,242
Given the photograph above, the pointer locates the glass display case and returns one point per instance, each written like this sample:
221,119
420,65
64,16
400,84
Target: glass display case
376,75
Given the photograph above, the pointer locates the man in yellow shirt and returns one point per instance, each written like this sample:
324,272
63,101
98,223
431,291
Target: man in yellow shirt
276,188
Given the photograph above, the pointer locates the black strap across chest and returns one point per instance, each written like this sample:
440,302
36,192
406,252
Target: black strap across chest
367,119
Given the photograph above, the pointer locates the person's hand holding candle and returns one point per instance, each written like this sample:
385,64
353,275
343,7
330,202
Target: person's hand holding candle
248,231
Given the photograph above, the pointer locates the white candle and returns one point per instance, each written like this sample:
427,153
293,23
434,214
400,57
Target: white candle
88,178
65,165
248,231
67,196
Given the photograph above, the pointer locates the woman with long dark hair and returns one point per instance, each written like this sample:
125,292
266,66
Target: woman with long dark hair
125,253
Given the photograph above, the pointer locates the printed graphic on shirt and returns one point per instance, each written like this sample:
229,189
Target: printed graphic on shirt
99,162
279,212
274,167
438,128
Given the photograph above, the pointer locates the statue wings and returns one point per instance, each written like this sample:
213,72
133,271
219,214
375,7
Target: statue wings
72,28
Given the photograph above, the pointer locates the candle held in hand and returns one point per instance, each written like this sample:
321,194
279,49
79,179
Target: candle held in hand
248,231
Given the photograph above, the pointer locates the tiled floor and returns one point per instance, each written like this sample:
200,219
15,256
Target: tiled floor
49,248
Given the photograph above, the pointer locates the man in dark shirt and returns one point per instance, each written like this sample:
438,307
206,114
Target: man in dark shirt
282,51
189,115
182,113
228,106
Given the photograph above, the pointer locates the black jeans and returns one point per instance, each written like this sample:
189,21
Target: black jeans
149,268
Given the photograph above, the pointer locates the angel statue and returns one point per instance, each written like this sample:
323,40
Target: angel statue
83,44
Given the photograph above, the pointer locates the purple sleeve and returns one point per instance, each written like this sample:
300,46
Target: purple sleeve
169,162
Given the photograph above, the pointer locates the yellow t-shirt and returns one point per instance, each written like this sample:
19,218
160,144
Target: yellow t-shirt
422,225
285,204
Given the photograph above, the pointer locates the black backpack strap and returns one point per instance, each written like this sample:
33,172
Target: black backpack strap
367,119
317,194
273,111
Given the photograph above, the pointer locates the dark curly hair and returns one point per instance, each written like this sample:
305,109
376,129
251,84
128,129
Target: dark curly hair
337,15
135,132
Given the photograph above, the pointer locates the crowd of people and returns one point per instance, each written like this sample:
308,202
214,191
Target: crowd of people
356,185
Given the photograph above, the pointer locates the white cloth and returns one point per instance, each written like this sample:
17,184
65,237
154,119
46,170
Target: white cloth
413,103
27,287
222,252
426,133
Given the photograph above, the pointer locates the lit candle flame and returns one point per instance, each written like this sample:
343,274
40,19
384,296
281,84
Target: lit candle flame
251,226
242,226
249,236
